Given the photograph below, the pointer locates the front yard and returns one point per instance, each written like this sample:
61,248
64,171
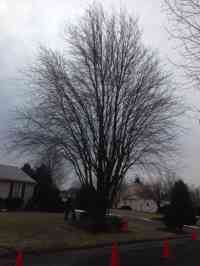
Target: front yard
47,231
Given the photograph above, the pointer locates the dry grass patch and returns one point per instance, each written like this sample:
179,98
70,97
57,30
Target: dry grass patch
43,231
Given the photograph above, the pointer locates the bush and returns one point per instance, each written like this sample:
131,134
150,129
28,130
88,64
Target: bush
163,210
30,205
125,207
90,200
197,211
113,224
181,210
13,204
87,198
46,199
2,204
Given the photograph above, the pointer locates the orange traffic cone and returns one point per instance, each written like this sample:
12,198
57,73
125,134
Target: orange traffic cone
19,258
124,226
166,250
115,255
194,235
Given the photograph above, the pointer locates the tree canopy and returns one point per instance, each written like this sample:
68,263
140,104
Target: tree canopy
184,29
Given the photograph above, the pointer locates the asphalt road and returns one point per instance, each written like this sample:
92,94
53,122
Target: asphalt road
184,252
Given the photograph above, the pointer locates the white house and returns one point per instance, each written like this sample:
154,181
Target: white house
14,183
131,197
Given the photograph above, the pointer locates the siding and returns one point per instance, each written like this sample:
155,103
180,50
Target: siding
131,197
29,189
140,205
4,189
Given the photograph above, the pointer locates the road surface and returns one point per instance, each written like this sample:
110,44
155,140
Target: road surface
184,253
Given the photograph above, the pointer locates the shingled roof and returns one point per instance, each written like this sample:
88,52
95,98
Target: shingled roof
13,173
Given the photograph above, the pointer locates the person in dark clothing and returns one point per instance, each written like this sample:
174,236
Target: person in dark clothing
69,207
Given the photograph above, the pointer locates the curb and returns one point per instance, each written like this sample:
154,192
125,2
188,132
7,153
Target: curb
12,252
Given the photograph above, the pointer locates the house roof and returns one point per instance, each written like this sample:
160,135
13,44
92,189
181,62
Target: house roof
13,173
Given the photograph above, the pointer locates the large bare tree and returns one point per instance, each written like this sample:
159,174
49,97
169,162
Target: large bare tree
184,28
105,104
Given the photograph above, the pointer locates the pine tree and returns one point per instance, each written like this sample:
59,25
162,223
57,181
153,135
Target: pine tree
181,209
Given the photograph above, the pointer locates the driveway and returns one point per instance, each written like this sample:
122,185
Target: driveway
139,216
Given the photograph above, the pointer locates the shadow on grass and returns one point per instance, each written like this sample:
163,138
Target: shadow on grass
160,219
172,230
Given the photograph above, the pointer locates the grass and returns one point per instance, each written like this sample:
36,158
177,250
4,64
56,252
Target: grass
47,231
151,216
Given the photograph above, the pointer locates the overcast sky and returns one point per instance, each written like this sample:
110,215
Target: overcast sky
25,24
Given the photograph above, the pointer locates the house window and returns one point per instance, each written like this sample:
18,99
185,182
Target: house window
17,190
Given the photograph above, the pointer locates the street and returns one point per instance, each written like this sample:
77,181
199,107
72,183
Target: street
184,252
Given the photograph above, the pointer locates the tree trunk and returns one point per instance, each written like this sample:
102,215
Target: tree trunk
158,205
99,210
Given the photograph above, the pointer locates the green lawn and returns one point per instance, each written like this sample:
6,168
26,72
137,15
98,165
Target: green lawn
45,231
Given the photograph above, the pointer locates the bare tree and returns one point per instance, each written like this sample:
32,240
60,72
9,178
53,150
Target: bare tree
169,178
184,28
105,104
195,195
120,193
53,160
